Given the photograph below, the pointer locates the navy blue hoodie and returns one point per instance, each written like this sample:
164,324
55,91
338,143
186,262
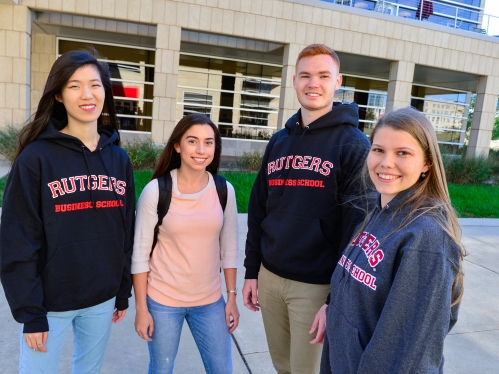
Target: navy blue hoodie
390,307
67,227
299,215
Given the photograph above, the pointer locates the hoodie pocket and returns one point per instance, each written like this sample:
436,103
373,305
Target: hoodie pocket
83,272
345,349
296,244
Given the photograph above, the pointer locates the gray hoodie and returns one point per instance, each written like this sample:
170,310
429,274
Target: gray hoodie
390,297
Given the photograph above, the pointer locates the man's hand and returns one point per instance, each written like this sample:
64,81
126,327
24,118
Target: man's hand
319,325
250,294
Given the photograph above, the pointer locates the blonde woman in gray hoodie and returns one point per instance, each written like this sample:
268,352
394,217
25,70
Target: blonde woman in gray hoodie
396,289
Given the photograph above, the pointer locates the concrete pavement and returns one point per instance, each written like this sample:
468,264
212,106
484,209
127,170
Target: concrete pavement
471,347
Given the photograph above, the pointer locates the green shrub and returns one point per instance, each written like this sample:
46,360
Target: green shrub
242,183
143,154
9,138
495,129
250,161
462,170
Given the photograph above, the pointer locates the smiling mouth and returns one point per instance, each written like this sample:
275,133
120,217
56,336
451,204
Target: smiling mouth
87,107
388,176
199,160
313,94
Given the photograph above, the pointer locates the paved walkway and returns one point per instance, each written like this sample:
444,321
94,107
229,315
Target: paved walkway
471,347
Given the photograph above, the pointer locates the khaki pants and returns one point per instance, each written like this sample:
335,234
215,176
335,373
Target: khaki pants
288,310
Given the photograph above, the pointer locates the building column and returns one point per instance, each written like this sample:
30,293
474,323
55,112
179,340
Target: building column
15,53
400,85
288,103
165,111
483,117
43,56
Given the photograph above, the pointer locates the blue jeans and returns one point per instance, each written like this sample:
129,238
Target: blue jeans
91,330
208,327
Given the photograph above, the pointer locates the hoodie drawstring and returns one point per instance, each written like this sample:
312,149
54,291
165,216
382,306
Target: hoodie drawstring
89,174
291,151
114,190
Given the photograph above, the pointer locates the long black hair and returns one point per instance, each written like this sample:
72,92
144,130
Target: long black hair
170,159
63,68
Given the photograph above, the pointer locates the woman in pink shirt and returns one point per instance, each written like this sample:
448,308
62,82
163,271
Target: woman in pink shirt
181,279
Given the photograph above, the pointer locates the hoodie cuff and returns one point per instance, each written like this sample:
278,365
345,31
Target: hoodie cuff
39,324
251,272
121,304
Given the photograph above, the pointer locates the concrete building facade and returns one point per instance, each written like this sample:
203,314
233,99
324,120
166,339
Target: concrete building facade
235,59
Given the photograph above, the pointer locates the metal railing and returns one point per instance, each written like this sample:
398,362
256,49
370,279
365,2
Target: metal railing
467,18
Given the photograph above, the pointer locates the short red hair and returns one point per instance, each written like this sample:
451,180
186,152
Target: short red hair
318,49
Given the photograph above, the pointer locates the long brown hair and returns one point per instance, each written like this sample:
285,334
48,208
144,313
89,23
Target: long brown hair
170,159
63,68
430,194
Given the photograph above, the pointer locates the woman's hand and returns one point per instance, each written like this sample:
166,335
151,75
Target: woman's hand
144,324
118,315
231,313
37,340
319,325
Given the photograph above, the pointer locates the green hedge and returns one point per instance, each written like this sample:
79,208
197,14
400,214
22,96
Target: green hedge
242,182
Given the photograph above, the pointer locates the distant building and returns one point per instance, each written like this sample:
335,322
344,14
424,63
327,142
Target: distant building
234,60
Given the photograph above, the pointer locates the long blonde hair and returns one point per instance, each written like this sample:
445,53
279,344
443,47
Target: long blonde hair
430,194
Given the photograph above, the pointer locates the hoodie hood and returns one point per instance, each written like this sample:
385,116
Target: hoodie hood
108,135
340,114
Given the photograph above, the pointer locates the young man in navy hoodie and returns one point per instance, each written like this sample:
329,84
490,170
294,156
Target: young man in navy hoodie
302,214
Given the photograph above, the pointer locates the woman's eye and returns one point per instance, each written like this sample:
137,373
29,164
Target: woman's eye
209,143
376,150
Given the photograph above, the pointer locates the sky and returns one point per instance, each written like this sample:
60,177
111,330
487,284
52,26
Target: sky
492,9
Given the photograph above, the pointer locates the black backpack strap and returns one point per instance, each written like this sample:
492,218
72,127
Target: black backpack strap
221,185
164,200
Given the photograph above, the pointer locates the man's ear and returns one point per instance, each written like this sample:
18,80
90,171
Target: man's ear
339,81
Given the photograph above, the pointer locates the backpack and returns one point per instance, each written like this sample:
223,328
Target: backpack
165,197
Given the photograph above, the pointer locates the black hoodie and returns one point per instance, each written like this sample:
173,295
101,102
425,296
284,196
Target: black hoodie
301,214
67,227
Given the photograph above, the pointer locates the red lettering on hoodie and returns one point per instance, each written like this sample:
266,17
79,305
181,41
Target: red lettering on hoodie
120,187
80,179
306,159
103,182
376,258
55,187
326,168
295,164
65,184
316,162
270,167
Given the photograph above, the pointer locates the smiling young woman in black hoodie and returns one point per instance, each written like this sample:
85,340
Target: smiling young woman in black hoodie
67,220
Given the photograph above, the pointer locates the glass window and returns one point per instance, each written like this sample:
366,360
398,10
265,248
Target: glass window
241,97
447,111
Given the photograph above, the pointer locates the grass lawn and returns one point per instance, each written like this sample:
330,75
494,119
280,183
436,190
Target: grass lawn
242,183
475,201
470,201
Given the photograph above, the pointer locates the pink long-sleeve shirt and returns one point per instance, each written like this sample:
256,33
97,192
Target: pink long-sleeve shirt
195,239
